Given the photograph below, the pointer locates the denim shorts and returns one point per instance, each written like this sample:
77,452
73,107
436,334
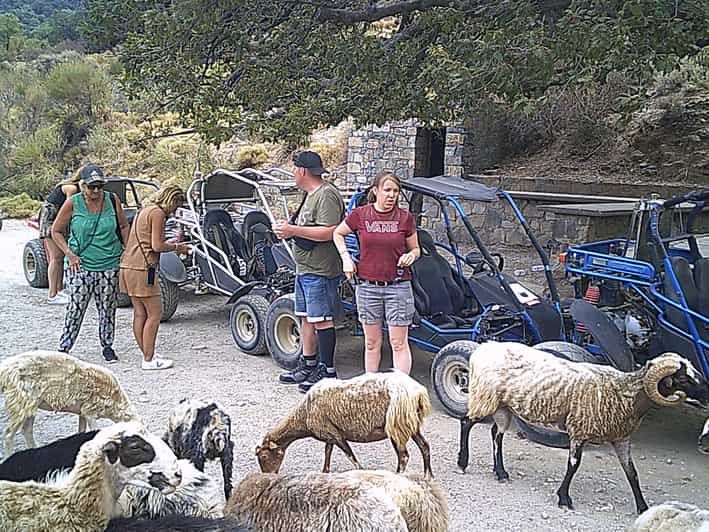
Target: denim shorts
316,297
393,304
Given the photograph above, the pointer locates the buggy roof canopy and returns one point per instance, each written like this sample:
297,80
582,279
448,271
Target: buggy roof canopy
443,187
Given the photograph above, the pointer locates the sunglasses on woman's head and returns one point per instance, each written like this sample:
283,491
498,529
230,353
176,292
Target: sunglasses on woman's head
97,186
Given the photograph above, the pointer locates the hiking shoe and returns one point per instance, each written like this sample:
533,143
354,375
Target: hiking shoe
109,355
299,374
316,376
156,363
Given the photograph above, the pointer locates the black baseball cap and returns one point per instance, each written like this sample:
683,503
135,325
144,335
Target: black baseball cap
311,161
91,173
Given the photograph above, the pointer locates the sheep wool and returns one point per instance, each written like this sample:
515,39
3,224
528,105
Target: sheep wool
422,501
313,502
120,454
58,382
672,516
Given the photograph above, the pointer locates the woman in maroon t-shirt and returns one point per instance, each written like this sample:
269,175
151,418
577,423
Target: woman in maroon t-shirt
388,245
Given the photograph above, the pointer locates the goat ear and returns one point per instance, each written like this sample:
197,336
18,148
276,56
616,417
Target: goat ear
111,451
272,445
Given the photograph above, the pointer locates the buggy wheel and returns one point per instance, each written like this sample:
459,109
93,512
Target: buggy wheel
123,300
283,332
35,265
168,297
449,376
247,321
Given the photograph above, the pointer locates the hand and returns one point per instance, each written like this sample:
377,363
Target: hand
74,261
284,230
348,267
406,260
182,249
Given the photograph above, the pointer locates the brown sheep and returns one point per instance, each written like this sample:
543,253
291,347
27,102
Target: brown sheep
332,412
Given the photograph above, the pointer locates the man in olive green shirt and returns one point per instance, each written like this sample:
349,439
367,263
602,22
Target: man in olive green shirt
318,270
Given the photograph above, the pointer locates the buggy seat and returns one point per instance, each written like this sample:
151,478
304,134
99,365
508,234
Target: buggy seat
695,287
439,294
219,230
258,234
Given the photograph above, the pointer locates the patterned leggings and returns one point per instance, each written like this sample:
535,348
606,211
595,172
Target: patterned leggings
103,286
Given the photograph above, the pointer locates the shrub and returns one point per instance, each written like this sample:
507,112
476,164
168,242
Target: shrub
251,156
20,206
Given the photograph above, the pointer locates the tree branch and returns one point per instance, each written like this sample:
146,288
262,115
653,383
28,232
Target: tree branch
375,12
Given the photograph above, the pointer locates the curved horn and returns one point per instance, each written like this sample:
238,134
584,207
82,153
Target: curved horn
658,370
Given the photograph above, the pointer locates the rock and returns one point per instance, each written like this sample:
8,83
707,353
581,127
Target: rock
199,347
669,461
545,516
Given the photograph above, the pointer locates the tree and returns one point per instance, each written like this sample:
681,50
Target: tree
283,67
9,28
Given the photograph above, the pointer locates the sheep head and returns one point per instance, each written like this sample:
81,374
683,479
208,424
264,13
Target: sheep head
671,379
270,456
703,442
134,456
217,433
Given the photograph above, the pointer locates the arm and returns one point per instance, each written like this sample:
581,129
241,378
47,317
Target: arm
413,251
122,220
338,237
70,190
157,235
318,234
61,222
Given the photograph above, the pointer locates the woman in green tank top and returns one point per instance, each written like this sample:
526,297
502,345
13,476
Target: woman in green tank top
93,252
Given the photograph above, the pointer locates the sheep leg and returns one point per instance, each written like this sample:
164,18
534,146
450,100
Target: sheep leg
466,424
425,449
328,456
28,432
575,452
622,450
402,457
82,423
345,447
498,466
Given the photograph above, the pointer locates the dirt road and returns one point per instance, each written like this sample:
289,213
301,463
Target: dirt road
208,365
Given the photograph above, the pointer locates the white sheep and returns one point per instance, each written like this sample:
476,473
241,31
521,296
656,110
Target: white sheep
119,455
368,408
54,381
422,501
592,403
672,516
313,502
198,495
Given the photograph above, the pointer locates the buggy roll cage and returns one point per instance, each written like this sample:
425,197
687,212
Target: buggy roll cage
242,188
454,190
643,277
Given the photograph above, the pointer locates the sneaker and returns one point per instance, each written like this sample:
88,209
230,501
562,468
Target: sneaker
109,355
299,374
156,363
316,376
59,299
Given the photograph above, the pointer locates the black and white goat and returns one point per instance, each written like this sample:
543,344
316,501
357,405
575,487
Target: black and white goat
199,431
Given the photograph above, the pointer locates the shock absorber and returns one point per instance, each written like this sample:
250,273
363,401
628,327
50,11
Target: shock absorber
593,296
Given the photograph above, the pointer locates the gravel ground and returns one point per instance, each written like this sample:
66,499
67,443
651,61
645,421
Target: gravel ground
208,365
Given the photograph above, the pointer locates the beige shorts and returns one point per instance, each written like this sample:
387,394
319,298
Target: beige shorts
135,283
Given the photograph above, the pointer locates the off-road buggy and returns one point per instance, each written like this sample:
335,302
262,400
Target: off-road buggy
130,192
653,281
228,223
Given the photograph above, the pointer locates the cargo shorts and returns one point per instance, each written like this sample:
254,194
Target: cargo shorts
392,304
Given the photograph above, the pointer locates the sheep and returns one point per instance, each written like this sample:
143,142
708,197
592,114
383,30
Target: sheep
592,403
313,502
332,412
703,443
422,501
58,382
175,524
36,464
672,516
197,495
118,455
200,431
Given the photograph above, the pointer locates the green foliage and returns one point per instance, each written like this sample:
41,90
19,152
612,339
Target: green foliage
20,206
280,69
